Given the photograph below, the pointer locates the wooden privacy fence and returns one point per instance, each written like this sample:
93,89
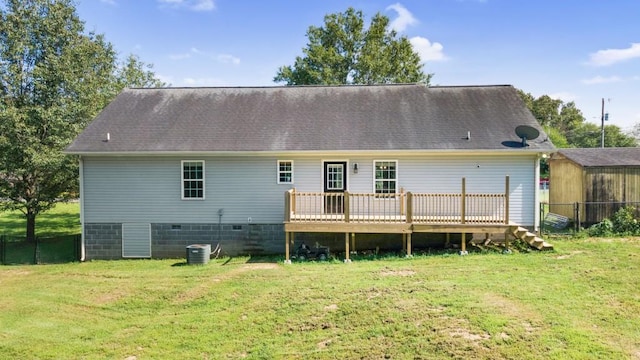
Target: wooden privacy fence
402,207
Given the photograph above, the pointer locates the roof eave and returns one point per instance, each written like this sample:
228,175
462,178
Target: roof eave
493,152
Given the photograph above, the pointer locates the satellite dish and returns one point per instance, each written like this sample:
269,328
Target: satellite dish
526,132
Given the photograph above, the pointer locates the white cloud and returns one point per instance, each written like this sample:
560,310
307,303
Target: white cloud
564,96
195,5
185,55
227,58
428,51
404,19
195,52
109,2
612,56
602,80
180,56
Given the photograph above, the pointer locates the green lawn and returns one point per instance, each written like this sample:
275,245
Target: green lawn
63,219
581,301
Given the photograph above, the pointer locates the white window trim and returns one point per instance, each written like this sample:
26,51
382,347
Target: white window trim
278,172
204,187
374,176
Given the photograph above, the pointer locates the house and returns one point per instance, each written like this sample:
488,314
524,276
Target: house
595,182
250,167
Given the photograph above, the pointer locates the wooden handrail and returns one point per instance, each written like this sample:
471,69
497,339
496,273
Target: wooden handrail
403,207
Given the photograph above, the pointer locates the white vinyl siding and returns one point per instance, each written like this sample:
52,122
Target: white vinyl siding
146,189
136,240
143,189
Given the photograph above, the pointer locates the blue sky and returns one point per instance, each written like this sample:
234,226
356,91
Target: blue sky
575,50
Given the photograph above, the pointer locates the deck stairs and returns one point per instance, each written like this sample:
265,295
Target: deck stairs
530,238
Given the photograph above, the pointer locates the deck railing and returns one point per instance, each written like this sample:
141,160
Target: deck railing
403,207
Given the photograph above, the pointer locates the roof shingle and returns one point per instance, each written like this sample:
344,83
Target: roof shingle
308,118
597,157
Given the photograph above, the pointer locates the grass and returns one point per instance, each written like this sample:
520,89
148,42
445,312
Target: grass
63,219
579,302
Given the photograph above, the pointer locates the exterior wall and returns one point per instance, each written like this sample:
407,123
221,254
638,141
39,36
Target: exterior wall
440,174
103,241
253,239
571,183
148,190
243,191
566,180
610,185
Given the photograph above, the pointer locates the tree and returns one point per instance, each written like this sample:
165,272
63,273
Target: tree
589,135
635,132
54,79
344,52
566,126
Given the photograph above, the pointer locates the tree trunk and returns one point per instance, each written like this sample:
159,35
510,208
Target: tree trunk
31,227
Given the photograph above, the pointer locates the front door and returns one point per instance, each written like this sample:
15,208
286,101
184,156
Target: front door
335,184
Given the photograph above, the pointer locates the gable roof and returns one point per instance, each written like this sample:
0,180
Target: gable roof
598,157
310,118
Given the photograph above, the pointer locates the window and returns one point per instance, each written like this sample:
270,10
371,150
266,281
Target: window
386,177
285,172
192,179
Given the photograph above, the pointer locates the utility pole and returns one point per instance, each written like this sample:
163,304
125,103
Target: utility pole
602,120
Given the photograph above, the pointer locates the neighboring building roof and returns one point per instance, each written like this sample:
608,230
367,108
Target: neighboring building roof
598,157
311,118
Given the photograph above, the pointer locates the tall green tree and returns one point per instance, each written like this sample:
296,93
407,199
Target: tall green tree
589,135
54,78
344,52
566,126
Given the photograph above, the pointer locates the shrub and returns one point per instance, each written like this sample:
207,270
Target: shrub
623,222
603,228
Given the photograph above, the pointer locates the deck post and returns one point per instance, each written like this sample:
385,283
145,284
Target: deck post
506,250
346,206
463,244
346,248
506,200
287,205
409,215
353,242
463,200
293,200
409,245
287,259
404,242
402,205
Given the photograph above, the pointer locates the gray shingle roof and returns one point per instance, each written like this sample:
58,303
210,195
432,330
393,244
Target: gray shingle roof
310,118
595,157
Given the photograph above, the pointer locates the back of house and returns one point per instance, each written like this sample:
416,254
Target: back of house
161,169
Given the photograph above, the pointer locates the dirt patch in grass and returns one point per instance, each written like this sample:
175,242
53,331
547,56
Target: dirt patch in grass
204,287
108,298
566,256
388,272
260,266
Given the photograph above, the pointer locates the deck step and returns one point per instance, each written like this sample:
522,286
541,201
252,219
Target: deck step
530,238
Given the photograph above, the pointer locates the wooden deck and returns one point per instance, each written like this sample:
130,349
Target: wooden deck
400,213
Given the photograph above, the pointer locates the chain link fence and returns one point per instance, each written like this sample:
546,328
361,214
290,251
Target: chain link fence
49,250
